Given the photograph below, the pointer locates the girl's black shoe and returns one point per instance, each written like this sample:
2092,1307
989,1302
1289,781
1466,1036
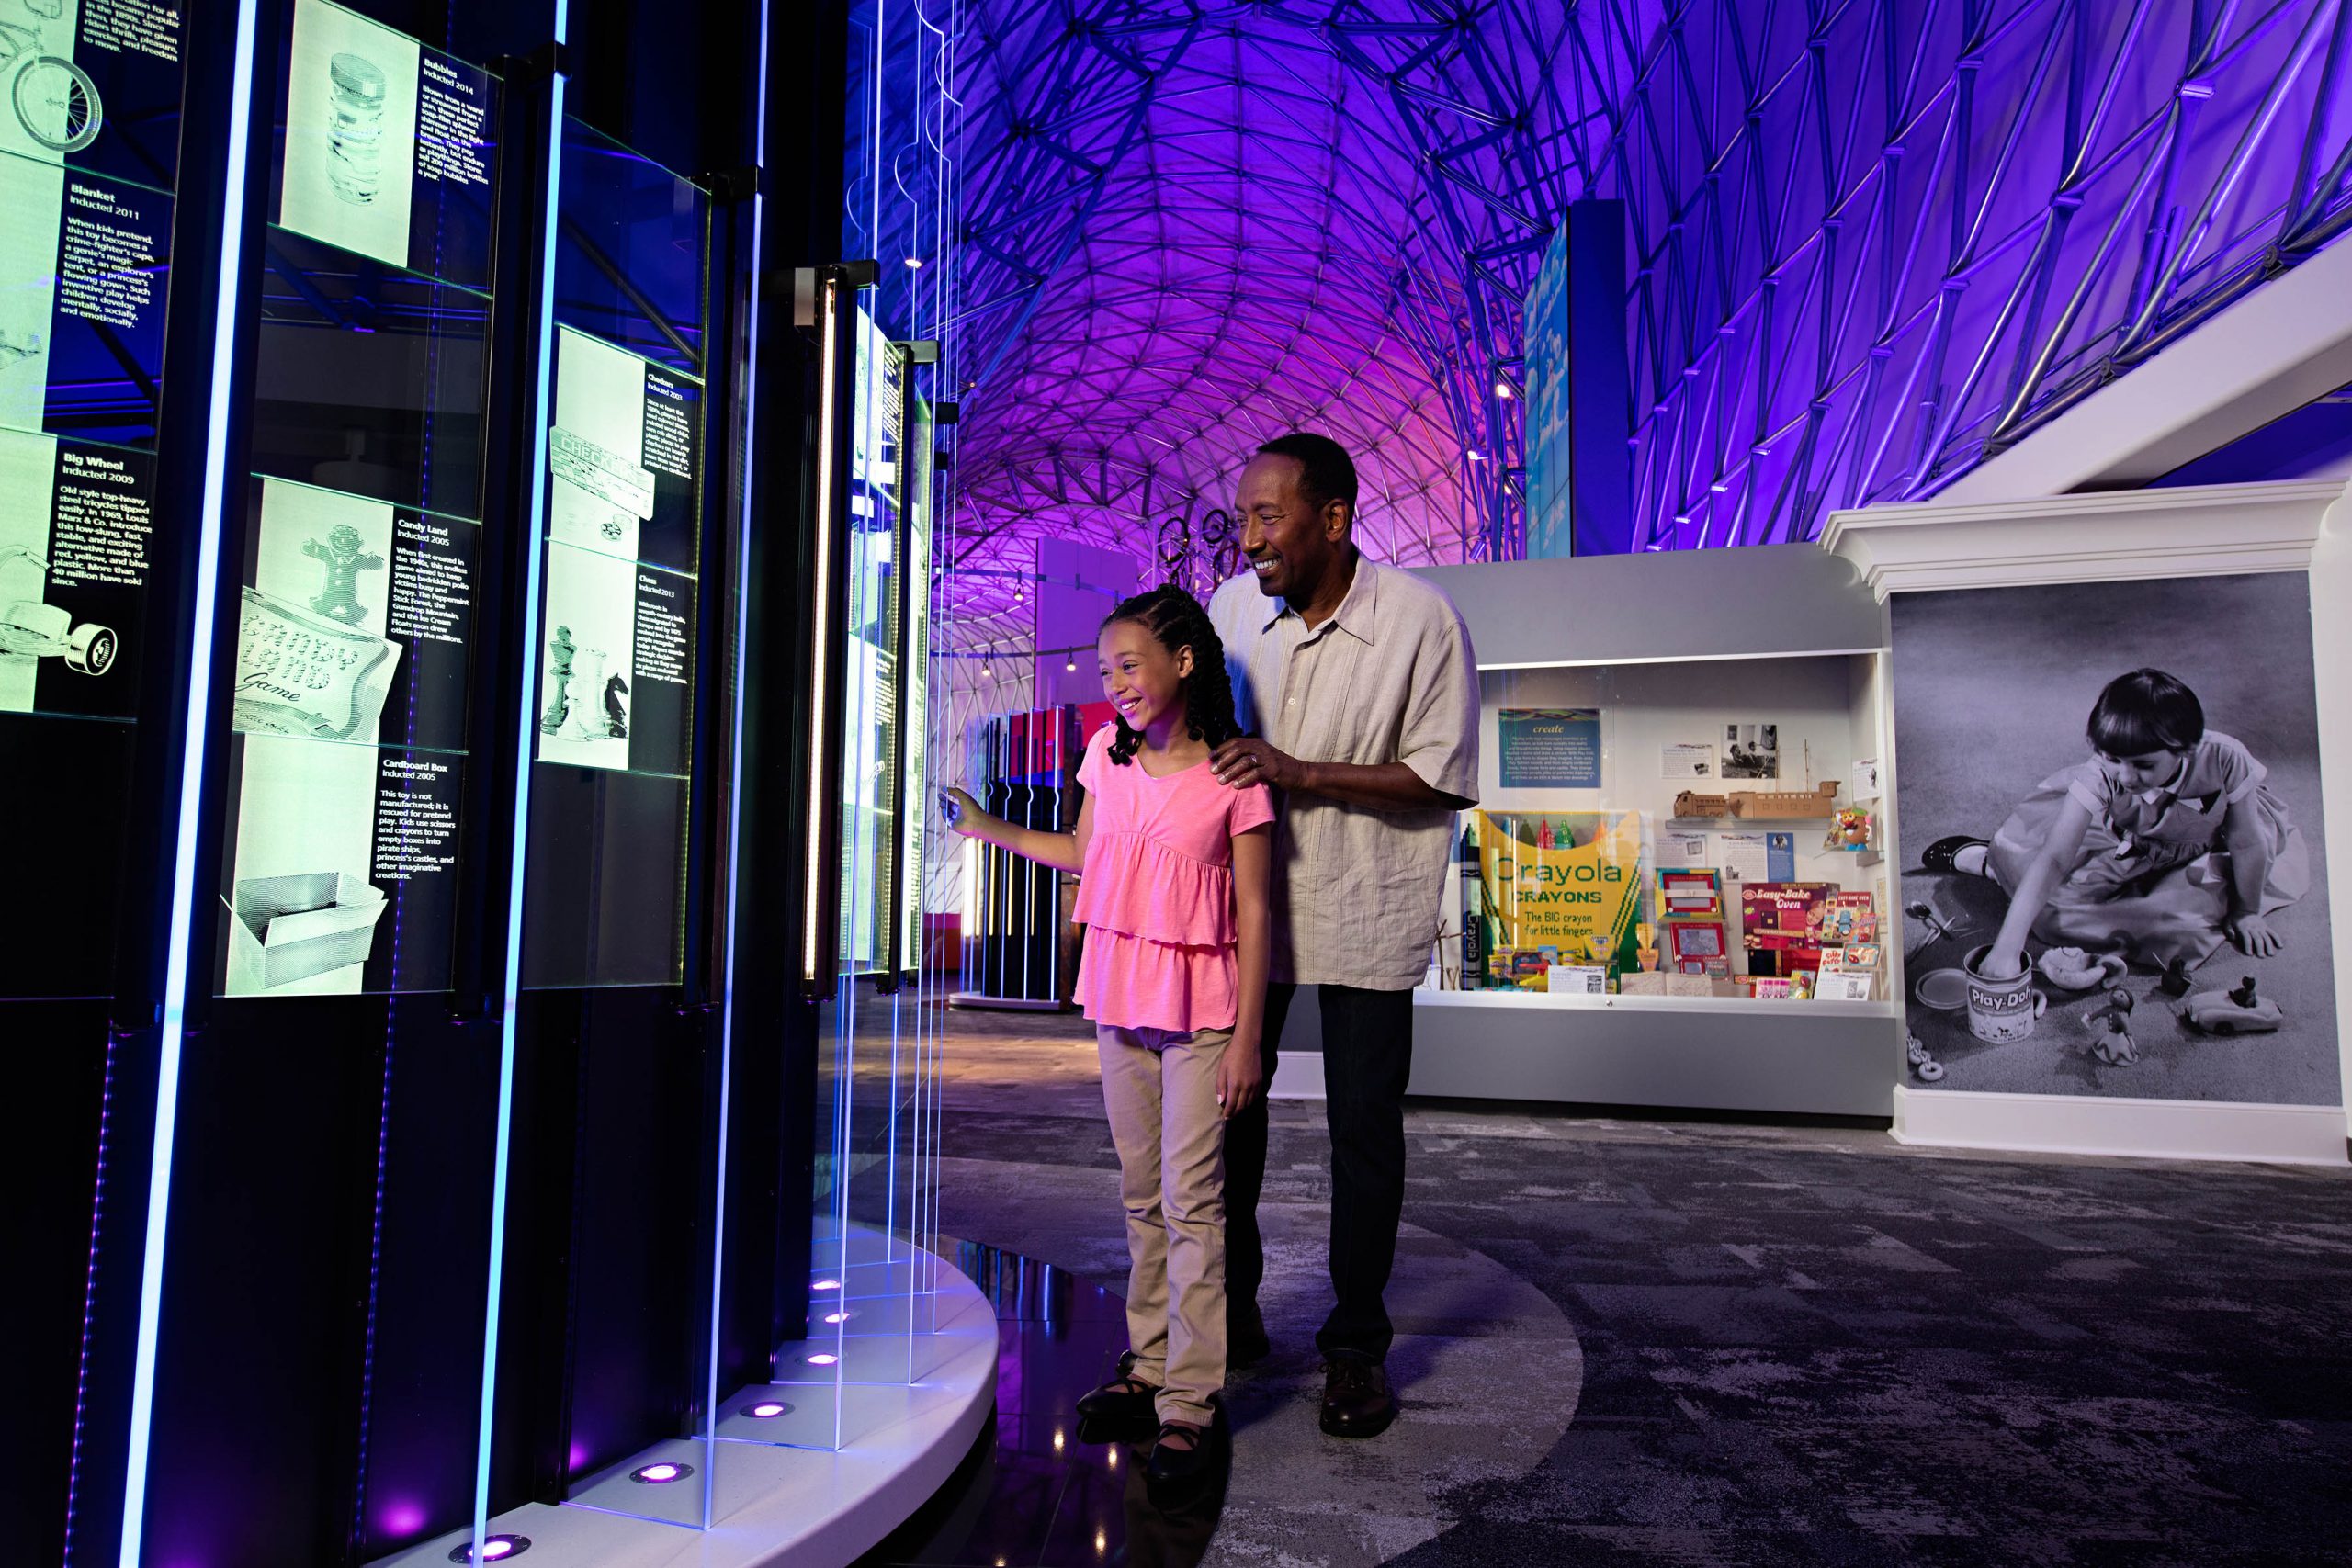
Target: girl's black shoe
1184,1460
1125,1402
1941,853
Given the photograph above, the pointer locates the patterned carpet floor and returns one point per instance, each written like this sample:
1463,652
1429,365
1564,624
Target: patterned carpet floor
1670,1342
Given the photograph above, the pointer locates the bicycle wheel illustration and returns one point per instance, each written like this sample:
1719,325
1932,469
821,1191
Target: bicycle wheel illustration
57,103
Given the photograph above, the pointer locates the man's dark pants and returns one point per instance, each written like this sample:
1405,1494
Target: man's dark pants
1367,1057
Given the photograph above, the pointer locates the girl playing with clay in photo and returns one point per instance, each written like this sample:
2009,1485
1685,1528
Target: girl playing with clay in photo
2162,847
1173,895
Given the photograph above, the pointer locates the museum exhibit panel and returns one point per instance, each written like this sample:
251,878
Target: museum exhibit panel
408,979
95,448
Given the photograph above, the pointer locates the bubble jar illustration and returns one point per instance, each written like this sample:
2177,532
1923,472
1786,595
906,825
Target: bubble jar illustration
356,146
345,558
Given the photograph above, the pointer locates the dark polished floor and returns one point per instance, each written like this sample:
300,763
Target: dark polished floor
1659,1342
1038,1486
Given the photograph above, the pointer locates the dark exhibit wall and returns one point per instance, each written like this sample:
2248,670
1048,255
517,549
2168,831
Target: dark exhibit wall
396,649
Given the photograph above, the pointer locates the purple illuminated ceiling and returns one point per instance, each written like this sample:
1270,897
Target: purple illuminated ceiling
1870,241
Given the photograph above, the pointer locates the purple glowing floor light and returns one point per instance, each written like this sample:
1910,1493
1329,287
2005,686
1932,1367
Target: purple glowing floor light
495,1549
767,1410
661,1474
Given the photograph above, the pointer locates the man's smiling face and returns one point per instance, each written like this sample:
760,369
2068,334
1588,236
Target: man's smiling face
1288,541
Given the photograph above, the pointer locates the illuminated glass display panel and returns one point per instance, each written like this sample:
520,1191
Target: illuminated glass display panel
385,147
362,544
89,145
870,758
915,512
612,781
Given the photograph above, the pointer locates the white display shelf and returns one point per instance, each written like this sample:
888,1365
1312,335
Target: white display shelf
1681,1053
1743,1006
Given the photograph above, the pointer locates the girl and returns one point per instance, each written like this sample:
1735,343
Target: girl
2162,845
1175,867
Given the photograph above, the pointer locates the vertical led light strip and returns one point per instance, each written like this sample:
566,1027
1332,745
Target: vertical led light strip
191,804
748,428
526,737
828,356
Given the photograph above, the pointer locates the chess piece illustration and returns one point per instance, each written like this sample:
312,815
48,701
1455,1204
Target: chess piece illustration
583,693
346,557
615,715
560,649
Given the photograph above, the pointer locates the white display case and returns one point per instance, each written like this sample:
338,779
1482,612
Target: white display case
1646,661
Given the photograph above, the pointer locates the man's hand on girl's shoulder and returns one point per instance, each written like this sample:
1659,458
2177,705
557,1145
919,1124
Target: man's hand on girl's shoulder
1241,763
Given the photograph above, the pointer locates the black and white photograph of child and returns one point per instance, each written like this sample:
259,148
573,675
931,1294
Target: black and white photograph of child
1751,751
2109,803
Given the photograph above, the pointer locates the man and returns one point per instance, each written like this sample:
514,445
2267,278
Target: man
1358,681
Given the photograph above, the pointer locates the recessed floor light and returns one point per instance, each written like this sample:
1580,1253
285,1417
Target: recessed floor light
767,1409
495,1549
661,1474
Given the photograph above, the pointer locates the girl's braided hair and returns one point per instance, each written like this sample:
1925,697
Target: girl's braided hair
1177,620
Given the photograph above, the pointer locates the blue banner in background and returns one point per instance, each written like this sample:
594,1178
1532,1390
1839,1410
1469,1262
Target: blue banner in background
1546,337
1551,748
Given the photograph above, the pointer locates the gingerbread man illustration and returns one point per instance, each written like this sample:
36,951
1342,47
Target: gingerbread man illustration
345,558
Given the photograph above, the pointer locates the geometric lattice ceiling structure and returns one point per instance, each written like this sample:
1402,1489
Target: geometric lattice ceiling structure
1868,244
1874,254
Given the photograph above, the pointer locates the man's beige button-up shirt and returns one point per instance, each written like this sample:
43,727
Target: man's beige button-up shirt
1358,894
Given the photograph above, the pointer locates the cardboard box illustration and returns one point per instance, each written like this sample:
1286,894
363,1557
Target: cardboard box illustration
290,928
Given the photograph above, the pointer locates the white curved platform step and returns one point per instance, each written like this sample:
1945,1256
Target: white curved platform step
810,1508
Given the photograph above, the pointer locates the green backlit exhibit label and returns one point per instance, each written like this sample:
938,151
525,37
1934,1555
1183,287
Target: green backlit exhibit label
605,880
76,526
346,760
617,653
386,144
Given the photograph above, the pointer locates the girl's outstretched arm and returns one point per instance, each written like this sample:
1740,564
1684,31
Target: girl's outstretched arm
1241,1073
2249,873
2026,900
1063,851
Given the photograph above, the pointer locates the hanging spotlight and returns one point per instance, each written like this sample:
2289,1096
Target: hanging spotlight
1502,391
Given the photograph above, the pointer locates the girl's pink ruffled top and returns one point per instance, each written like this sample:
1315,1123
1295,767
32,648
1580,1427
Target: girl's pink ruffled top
1156,895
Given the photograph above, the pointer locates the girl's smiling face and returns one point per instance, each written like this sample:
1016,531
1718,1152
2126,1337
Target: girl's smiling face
1143,681
2143,772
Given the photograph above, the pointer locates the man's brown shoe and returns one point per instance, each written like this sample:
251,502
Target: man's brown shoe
1356,1399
